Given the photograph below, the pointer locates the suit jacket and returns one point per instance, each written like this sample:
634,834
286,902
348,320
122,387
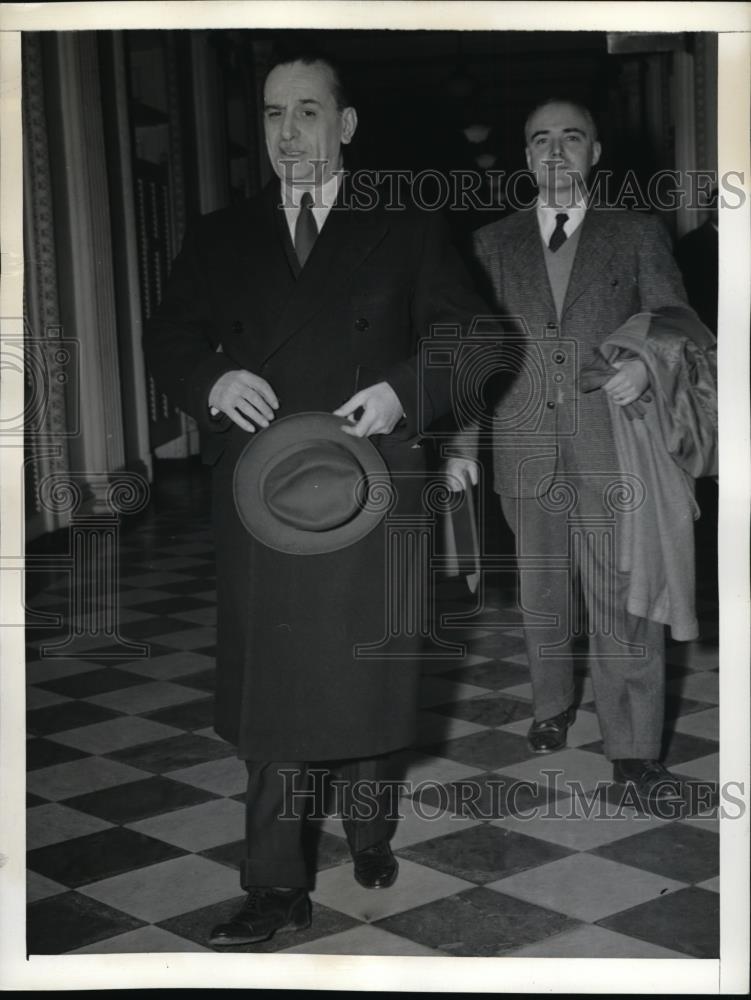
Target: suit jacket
288,684
540,422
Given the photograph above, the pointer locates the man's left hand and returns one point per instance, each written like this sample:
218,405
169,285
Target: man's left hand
630,382
381,408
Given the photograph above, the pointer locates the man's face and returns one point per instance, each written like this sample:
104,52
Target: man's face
561,151
303,124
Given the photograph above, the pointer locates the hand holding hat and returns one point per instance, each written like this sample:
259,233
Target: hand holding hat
381,408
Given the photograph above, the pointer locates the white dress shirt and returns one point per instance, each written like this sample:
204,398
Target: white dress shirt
323,198
546,219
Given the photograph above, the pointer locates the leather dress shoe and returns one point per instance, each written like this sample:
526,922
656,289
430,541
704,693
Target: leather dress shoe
376,867
650,778
550,734
264,912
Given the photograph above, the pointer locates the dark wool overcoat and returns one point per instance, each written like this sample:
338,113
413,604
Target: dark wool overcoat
289,685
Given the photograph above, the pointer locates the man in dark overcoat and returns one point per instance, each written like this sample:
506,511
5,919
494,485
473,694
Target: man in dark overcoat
261,320
567,274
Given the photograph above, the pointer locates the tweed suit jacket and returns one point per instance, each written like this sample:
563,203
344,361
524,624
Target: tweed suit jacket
540,425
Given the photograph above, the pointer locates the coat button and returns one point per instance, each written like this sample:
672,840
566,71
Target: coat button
559,357
361,324
550,405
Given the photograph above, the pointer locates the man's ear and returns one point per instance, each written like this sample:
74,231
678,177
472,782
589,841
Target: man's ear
529,157
349,124
596,151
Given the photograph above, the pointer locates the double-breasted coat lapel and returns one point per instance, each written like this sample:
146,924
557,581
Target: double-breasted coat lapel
289,685
346,239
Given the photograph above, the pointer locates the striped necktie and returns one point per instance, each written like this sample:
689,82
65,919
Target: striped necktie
305,229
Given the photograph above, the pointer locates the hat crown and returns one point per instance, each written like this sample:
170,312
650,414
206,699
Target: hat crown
303,487
317,486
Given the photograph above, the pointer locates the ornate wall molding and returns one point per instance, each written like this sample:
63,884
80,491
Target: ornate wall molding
46,370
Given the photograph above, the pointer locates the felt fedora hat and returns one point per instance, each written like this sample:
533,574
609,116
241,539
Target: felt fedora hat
305,487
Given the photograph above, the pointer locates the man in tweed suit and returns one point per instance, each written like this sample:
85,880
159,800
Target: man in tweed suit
566,276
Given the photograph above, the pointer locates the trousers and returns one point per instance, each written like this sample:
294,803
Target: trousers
571,592
282,795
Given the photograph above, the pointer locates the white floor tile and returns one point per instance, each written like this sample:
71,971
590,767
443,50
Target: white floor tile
197,828
585,886
158,892
337,889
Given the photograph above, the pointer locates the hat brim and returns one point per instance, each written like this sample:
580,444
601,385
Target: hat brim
264,449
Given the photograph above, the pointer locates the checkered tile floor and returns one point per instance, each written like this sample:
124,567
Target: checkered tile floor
135,807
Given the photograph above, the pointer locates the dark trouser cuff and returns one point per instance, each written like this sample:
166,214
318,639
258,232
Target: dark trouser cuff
257,872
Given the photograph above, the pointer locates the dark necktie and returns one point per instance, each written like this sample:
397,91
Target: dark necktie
559,236
305,229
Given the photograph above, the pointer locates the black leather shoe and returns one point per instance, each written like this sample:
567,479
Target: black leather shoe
376,867
264,912
649,777
550,734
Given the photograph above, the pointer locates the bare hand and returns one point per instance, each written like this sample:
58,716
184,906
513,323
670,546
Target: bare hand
244,397
382,411
629,383
457,471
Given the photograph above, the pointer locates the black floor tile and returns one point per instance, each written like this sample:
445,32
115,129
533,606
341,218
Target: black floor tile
486,710
205,680
92,682
231,855
163,625
493,674
196,926
478,922
687,921
139,799
483,854
34,800
70,921
45,753
174,605
193,715
486,750
676,706
173,753
98,856
677,851
67,715
681,747
197,586
499,644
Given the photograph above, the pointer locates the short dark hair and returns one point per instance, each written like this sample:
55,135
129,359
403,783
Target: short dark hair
308,57
581,108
